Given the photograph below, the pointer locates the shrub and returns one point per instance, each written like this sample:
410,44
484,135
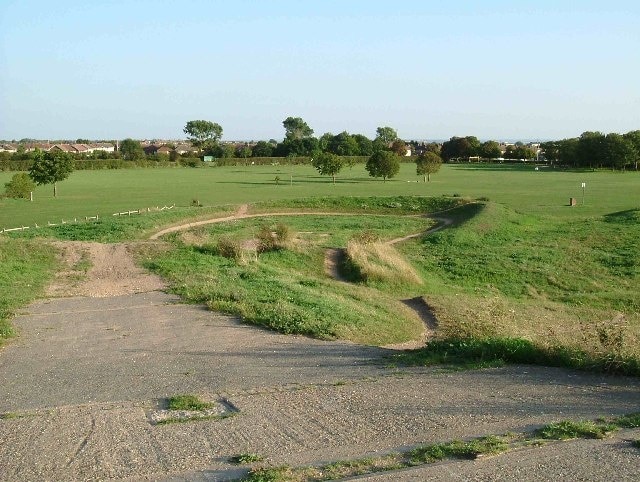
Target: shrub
20,186
266,239
229,248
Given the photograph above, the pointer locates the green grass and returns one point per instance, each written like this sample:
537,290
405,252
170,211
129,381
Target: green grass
246,458
26,267
287,289
87,193
524,266
187,402
568,429
472,352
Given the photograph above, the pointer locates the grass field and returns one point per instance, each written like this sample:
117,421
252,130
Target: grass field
519,265
87,193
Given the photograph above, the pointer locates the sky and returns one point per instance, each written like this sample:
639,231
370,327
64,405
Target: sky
496,69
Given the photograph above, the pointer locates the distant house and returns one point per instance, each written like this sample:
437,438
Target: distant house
8,148
150,149
164,150
102,146
184,148
62,148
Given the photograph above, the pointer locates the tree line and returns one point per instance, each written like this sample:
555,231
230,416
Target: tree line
596,150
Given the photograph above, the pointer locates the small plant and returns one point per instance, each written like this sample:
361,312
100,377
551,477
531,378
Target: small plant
20,186
568,429
246,458
277,180
269,474
196,203
283,233
229,248
266,239
187,402
636,443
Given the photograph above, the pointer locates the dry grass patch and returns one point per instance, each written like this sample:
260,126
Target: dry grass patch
545,323
374,260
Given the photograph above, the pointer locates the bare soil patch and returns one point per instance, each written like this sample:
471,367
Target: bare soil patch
99,270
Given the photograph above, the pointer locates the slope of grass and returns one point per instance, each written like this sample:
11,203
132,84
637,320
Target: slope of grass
25,268
287,289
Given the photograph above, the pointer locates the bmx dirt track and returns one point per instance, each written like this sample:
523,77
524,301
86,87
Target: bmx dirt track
80,383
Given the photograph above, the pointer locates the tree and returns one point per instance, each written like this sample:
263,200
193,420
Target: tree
619,151
365,145
262,149
343,145
460,148
20,186
384,164
131,150
427,164
203,134
490,150
51,168
327,164
591,148
399,147
296,128
634,137
386,135
243,151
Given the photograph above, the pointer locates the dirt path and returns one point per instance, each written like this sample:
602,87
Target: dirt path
80,384
97,270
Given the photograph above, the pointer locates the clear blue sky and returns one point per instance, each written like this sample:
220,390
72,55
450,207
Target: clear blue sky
430,69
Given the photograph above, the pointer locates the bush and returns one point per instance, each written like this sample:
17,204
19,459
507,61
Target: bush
266,239
20,186
229,248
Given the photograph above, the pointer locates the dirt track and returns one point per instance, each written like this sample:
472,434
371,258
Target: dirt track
81,380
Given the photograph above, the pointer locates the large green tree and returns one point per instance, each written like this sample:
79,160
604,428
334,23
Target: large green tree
344,145
460,148
490,150
427,164
262,149
296,128
203,134
131,150
634,137
386,135
327,164
384,164
591,149
51,168
619,151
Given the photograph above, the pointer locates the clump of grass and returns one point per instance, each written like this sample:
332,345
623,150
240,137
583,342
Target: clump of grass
27,266
270,474
187,402
636,443
229,248
272,239
375,261
459,449
568,429
246,458
494,351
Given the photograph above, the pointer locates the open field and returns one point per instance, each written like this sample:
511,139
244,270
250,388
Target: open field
87,193
508,267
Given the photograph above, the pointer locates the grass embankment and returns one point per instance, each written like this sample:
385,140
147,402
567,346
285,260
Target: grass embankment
25,268
286,288
509,287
